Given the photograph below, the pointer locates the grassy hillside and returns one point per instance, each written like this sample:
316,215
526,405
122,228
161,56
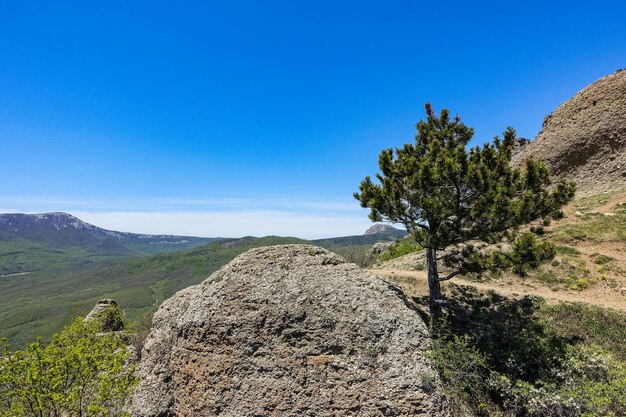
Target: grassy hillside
19,255
40,303
57,241
49,277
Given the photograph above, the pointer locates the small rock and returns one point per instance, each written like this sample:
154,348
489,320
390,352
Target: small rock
375,251
609,214
110,322
579,214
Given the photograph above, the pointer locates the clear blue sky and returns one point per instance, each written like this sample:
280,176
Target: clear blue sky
241,117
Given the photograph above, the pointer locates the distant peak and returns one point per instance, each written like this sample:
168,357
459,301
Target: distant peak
380,228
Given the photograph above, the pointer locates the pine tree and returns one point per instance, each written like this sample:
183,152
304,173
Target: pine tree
445,194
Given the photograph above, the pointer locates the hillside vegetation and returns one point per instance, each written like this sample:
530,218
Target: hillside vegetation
549,342
42,302
502,356
30,243
589,266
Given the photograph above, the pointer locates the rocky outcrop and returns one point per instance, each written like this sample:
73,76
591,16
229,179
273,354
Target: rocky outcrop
373,253
108,314
584,139
289,330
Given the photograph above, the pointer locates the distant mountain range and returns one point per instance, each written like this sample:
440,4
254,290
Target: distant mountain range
30,242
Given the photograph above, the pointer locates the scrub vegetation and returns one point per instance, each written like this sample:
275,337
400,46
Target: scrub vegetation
80,372
520,357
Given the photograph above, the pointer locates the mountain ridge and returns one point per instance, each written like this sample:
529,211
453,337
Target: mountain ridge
66,278
66,220
57,240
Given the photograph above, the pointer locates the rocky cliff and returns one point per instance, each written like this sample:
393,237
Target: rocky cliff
584,139
289,330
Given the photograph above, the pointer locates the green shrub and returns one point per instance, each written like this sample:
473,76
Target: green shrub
527,252
603,259
111,319
588,383
463,370
400,248
79,373
508,357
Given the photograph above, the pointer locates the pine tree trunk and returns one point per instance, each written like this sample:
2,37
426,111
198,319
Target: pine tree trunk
434,287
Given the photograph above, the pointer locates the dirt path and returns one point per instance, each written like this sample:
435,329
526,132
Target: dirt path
608,293
14,275
414,283
154,295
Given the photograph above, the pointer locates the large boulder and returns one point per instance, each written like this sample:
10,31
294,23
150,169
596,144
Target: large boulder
584,139
288,330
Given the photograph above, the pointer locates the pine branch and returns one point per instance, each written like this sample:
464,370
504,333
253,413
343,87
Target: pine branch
452,275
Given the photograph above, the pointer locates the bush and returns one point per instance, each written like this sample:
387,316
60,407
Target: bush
588,383
400,248
79,373
603,259
528,253
111,319
507,357
463,370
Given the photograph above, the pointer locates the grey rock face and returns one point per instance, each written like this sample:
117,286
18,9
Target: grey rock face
289,330
584,139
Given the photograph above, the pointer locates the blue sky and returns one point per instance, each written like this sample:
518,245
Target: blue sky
250,118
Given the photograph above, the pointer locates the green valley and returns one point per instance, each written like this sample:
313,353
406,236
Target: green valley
39,303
